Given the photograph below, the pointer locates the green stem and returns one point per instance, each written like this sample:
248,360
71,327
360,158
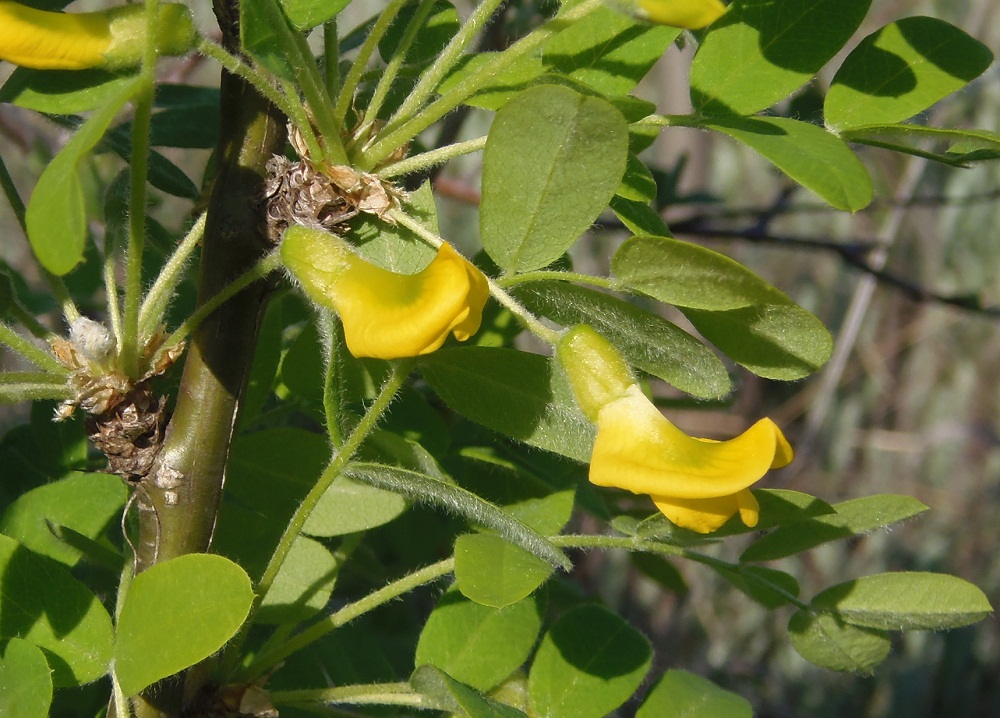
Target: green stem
37,356
512,280
385,694
449,57
390,142
108,271
629,543
432,158
289,105
346,96
529,320
331,57
264,267
313,88
32,391
392,69
154,306
265,661
371,418
333,381
58,287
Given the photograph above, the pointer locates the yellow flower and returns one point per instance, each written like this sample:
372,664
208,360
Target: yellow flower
388,315
696,483
690,14
112,39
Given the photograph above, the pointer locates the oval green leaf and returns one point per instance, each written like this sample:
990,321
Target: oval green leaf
177,613
828,642
303,584
906,601
43,604
679,694
456,500
495,572
476,644
646,340
25,681
85,503
457,698
588,664
849,518
761,51
515,393
56,217
775,341
551,164
901,70
816,159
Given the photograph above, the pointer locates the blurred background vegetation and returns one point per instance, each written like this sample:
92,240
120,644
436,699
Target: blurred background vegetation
910,288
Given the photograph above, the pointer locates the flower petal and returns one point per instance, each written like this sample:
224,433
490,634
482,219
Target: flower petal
388,315
637,449
52,40
707,515
690,14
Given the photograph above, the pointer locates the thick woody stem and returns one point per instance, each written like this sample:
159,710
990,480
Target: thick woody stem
180,498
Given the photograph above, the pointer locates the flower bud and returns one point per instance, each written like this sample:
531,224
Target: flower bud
597,372
110,40
688,14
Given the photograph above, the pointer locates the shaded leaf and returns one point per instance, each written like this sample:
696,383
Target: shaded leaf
680,694
827,641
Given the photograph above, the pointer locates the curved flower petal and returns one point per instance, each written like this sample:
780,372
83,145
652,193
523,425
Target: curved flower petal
690,14
388,315
696,483
596,371
52,40
707,515
111,39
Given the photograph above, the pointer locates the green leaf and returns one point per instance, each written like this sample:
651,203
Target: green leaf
638,184
689,275
307,14
761,51
494,572
851,518
589,663
915,601
775,341
270,472
268,44
658,569
56,216
512,392
177,613
348,507
394,247
813,157
457,698
753,323
965,147
434,34
679,694
303,584
539,503
25,683
62,92
605,50
828,642
901,70
43,604
555,157
766,586
646,340
638,217
476,644
777,508
85,503
454,499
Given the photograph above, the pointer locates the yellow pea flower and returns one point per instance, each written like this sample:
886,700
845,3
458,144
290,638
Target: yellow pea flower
689,14
111,40
388,315
696,483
